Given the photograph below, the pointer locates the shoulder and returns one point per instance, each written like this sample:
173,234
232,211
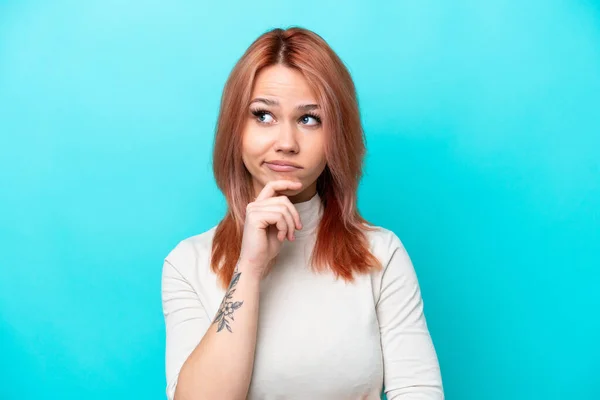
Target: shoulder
187,266
385,244
190,249
383,240
397,267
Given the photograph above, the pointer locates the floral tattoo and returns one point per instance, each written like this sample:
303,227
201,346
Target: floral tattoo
227,305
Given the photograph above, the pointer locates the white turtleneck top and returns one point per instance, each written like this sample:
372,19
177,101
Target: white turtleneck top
318,338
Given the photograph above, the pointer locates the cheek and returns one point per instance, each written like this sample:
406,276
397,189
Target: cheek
316,154
253,145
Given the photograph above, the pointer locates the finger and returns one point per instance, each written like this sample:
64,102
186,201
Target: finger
285,211
272,187
292,209
274,218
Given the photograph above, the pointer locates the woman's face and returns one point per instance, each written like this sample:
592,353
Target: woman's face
283,126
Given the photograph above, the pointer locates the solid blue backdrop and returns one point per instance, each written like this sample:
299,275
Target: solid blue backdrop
483,131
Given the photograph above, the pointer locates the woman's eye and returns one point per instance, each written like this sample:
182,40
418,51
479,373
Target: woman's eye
309,120
264,118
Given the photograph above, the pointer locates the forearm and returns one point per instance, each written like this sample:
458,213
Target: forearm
221,365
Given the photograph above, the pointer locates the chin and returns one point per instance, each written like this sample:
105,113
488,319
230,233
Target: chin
282,176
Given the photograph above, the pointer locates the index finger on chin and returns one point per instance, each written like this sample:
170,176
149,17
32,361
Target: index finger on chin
272,187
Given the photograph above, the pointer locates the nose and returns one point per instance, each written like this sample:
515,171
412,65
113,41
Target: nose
286,140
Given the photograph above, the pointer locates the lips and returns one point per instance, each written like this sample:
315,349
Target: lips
282,166
284,163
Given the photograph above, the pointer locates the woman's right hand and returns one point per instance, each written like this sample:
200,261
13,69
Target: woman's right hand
269,221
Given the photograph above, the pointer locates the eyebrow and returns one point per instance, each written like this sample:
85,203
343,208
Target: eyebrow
270,102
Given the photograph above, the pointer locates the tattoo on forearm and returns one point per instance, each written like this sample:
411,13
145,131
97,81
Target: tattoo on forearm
228,306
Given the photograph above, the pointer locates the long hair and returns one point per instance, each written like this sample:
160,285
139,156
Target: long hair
341,245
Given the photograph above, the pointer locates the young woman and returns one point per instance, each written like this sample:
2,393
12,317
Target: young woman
293,295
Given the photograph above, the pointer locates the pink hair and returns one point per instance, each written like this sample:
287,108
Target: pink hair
341,245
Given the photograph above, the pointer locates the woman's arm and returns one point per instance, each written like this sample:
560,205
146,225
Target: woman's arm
220,365
411,367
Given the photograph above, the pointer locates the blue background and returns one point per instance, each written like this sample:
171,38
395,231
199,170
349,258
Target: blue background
483,130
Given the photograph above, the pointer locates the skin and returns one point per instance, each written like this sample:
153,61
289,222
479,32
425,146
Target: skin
284,132
277,128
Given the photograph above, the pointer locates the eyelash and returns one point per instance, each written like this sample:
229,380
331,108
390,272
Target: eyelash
259,112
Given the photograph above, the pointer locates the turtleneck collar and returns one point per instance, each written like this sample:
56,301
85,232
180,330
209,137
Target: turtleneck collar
310,212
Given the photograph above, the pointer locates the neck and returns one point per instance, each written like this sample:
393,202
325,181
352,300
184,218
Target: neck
304,195
310,212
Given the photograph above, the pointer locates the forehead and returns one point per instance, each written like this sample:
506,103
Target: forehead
284,83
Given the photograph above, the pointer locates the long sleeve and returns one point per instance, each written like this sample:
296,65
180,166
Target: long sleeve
186,320
411,368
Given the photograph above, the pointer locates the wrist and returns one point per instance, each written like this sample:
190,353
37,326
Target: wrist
249,271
